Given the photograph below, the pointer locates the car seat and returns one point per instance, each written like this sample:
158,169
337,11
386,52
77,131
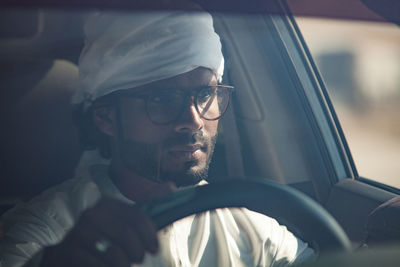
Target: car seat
39,145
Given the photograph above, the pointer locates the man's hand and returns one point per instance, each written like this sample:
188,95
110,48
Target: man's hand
111,233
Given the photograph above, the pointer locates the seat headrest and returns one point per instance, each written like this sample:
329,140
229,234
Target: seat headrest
40,145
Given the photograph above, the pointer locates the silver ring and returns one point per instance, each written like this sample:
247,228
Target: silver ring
102,245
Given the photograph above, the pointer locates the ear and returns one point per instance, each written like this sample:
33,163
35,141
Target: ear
104,118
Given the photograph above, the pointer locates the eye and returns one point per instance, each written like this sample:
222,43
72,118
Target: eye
205,94
164,98
156,99
159,98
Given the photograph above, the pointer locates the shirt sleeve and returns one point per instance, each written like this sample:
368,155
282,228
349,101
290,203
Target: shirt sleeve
43,221
25,234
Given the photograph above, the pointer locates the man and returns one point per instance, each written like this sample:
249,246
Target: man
150,100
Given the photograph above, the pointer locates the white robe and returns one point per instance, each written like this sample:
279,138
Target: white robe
223,237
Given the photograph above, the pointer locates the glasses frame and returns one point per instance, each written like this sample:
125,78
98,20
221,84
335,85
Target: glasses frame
186,95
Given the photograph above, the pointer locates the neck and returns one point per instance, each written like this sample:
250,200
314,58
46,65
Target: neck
131,185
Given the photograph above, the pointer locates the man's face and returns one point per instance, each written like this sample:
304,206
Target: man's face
179,151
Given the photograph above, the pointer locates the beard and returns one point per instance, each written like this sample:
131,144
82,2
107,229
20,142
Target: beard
146,159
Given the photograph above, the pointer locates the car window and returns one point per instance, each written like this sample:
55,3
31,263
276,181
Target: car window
280,125
274,125
279,139
360,65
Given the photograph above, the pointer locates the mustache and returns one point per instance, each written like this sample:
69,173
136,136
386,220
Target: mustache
188,139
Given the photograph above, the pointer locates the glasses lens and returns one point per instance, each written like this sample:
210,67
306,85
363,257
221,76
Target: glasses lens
212,102
164,108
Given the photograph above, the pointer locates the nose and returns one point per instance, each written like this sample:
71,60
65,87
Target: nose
190,120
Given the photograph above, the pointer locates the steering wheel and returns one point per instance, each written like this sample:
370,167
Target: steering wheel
299,213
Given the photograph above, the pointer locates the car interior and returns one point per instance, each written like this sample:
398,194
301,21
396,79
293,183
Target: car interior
281,125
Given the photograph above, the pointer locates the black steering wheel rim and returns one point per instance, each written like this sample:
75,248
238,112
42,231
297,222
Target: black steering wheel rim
299,213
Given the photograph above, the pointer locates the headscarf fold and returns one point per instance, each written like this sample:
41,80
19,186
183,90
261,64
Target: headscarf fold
127,50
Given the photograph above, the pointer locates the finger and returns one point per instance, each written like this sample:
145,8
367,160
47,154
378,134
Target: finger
83,258
145,229
63,255
122,235
136,247
87,236
114,217
112,220
115,256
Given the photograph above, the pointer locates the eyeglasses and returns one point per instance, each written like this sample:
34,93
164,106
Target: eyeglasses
166,106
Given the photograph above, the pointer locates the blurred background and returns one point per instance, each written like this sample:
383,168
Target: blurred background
360,64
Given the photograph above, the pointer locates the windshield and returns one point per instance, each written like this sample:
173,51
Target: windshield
106,111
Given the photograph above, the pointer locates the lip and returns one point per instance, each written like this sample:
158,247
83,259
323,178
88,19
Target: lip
186,152
185,148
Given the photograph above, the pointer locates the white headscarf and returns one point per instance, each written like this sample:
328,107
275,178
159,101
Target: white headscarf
127,50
